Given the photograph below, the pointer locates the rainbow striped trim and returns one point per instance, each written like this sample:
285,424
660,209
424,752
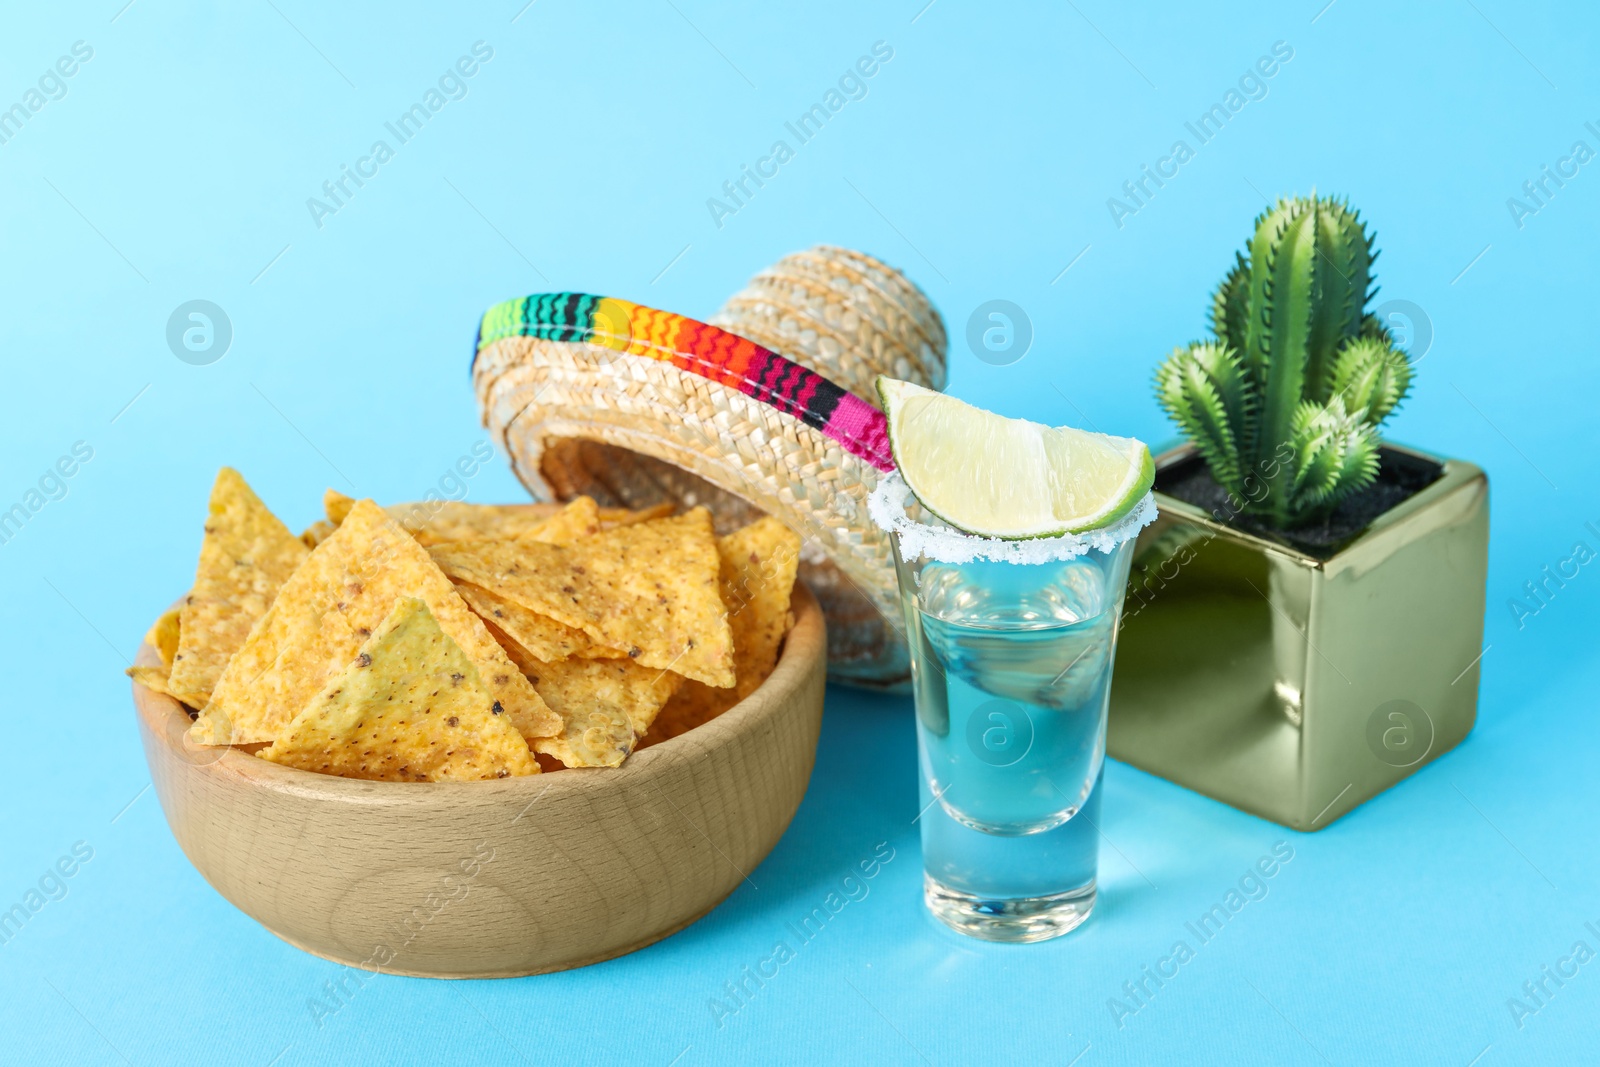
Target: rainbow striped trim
697,348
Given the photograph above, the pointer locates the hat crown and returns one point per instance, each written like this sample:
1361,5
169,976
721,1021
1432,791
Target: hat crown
844,314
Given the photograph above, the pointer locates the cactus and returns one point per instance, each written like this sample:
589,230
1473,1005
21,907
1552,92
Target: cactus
1284,405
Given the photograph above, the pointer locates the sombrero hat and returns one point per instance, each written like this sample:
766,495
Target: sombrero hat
768,408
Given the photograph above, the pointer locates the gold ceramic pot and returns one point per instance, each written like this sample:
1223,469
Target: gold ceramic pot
1296,684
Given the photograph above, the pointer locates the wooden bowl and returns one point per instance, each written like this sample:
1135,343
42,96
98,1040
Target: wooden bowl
497,878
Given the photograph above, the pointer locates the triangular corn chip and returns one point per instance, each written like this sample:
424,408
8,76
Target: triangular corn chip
575,521
434,522
327,610
649,588
611,518
163,637
317,532
757,580
607,705
336,505
246,556
758,567
539,636
153,678
411,707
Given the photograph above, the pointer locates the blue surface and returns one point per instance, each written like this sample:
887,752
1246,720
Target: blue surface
177,166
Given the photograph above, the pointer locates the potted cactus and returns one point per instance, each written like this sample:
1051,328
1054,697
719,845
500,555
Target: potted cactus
1304,621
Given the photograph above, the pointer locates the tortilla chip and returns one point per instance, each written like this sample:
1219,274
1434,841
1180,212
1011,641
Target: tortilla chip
336,505
324,614
756,579
246,556
575,521
540,636
434,522
316,533
163,637
153,678
638,692
607,705
649,588
610,518
758,566
411,707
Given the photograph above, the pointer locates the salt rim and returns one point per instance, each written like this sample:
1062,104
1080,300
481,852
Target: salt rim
887,506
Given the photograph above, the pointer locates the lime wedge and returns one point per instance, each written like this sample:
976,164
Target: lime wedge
997,477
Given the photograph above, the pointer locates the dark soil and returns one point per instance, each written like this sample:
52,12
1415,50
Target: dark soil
1400,476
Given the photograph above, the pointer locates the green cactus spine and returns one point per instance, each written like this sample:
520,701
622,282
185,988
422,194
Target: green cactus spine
1285,403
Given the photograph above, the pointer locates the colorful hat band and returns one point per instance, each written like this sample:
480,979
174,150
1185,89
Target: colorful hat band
591,395
697,348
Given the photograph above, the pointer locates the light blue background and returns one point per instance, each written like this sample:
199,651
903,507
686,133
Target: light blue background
177,167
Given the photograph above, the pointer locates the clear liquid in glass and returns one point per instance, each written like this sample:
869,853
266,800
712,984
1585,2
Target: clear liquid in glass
1012,671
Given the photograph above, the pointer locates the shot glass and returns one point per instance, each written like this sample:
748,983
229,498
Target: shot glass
1011,664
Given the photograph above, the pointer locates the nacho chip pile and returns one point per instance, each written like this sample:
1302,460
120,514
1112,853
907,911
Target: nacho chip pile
444,641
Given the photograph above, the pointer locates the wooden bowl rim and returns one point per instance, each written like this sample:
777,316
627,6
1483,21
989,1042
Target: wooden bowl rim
167,722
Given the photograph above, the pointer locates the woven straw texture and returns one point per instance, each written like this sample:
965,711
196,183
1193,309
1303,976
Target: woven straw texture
844,315
582,418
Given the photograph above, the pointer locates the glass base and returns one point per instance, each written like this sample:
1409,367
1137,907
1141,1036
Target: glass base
1016,920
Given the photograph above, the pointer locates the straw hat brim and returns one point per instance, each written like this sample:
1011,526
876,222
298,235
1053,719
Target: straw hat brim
572,384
